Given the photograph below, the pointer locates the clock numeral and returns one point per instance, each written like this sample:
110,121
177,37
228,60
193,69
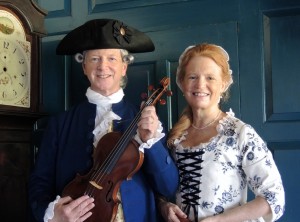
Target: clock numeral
22,61
21,84
23,74
5,45
4,95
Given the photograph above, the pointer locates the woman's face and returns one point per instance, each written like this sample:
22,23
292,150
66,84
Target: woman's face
202,84
104,68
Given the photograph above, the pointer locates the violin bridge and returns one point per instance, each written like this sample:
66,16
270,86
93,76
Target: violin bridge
96,185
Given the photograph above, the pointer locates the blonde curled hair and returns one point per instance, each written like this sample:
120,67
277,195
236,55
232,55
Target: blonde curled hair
221,58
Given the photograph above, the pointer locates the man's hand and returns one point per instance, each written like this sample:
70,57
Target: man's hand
148,123
69,210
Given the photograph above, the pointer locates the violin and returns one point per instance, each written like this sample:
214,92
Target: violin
116,158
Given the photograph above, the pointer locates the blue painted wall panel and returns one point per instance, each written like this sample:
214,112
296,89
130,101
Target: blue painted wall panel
261,36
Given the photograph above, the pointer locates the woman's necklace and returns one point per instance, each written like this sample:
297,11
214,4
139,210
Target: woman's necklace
203,127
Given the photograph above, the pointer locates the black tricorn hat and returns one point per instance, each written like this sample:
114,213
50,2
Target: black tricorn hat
104,34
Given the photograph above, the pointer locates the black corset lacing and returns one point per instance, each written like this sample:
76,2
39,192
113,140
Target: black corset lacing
189,174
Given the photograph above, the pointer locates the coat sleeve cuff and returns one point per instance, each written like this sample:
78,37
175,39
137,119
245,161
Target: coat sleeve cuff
49,213
149,143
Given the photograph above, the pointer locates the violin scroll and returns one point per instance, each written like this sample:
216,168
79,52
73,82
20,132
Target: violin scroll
157,93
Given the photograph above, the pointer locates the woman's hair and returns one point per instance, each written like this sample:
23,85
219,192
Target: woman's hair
221,58
126,57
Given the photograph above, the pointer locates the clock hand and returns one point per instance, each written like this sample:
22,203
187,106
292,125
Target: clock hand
3,64
3,69
7,78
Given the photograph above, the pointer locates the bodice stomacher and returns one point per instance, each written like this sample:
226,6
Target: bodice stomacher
189,165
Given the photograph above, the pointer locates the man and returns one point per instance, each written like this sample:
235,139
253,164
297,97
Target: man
68,144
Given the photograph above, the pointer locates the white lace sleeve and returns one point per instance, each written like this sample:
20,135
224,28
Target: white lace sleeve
150,142
49,213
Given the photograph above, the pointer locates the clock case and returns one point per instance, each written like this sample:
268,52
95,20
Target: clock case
17,124
31,17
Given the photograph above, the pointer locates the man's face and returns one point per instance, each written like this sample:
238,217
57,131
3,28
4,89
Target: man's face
104,68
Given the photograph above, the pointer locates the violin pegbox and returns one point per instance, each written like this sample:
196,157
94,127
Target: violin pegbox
157,92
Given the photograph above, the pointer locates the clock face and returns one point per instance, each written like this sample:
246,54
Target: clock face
14,73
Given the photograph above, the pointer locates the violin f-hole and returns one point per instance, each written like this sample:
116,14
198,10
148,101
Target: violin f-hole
110,183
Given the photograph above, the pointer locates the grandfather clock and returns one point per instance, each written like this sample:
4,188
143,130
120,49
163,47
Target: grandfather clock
21,30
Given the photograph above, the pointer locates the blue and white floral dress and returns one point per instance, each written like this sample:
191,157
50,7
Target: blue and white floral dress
214,176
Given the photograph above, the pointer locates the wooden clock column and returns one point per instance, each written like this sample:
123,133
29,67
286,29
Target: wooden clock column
25,26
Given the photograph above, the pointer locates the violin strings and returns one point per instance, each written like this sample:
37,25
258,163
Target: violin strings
100,172
124,139
98,175
114,155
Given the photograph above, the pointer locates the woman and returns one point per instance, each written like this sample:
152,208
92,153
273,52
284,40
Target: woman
218,155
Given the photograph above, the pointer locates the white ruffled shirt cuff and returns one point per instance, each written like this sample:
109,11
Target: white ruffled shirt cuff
49,213
148,144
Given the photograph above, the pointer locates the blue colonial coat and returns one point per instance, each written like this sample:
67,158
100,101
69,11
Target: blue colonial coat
67,149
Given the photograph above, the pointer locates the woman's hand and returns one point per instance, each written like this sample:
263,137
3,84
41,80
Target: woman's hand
148,123
171,212
69,210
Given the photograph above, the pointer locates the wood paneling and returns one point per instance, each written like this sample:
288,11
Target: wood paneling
261,37
281,47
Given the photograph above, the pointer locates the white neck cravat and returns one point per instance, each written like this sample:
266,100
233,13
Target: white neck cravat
104,114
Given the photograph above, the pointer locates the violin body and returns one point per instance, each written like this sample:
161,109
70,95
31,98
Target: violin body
103,185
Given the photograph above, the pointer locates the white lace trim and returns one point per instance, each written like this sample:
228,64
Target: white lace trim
148,144
104,114
49,213
219,129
